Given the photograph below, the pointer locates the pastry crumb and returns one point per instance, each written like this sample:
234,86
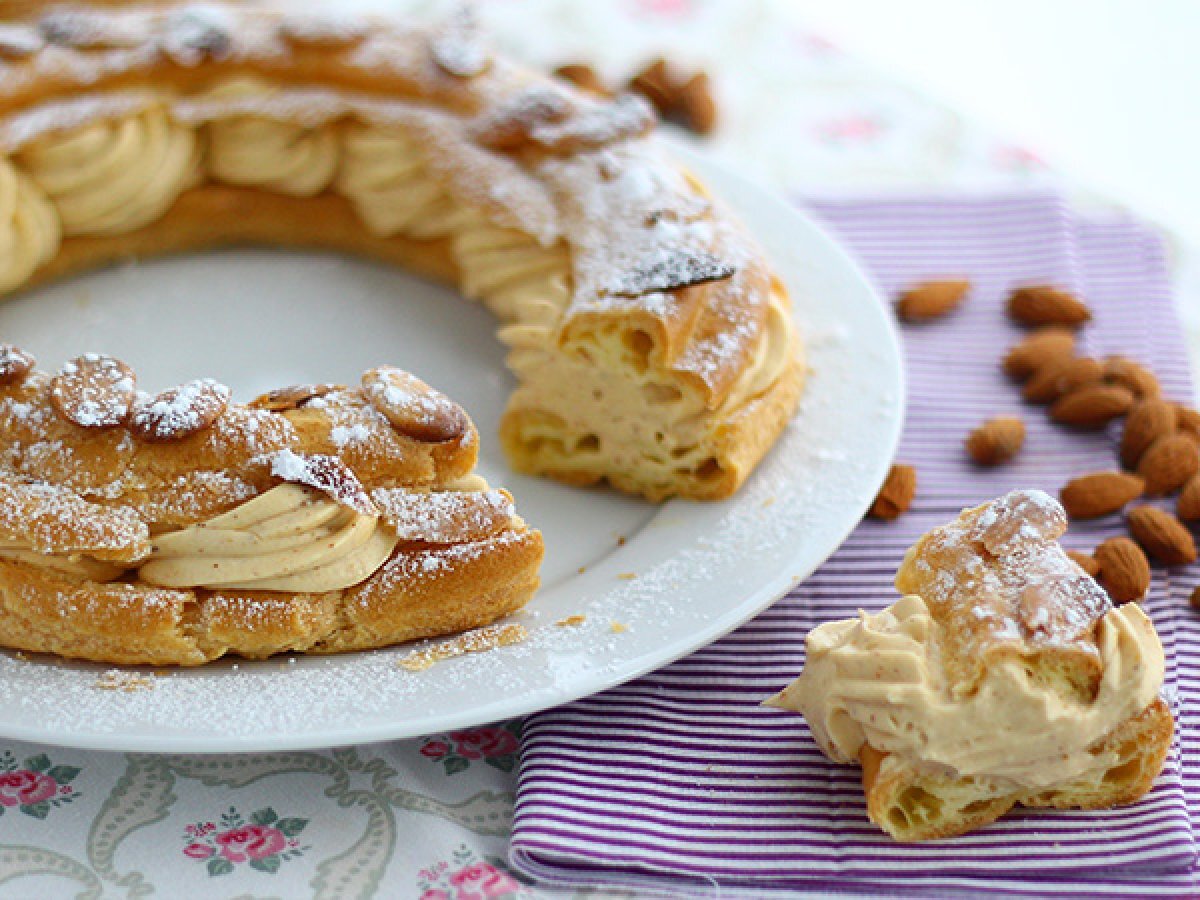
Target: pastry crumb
627,576
478,641
769,502
582,569
21,655
572,620
618,627
126,682
620,540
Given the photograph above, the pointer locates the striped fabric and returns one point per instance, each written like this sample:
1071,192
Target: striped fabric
680,782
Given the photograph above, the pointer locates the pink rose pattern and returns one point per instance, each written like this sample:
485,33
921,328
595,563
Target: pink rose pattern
36,785
264,843
495,745
466,877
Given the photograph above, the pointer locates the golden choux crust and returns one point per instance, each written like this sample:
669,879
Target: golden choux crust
916,805
628,249
463,557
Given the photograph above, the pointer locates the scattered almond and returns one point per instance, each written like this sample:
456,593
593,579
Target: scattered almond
1059,377
1039,349
1133,375
1194,599
1188,420
1124,570
93,391
996,441
896,495
928,300
584,76
1149,420
181,411
1188,505
1085,562
1093,406
15,364
1100,493
1168,463
1043,304
1162,535
414,408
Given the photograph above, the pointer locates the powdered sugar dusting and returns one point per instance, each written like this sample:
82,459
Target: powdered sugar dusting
444,517
478,641
325,473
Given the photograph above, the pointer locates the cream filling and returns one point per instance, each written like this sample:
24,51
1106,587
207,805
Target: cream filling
878,680
290,538
262,152
70,564
110,177
384,175
29,228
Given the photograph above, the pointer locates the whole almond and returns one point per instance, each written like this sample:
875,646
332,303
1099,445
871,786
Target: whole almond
1093,406
1061,376
996,441
1194,598
1149,420
180,412
1039,349
1133,375
1188,505
414,409
696,106
1162,535
1100,493
1168,463
896,495
1085,562
1124,569
928,300
1188,420
1043,304
93,391
583,76
15,364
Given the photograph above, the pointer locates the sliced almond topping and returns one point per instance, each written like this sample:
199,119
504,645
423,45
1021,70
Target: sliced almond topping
414,408
677,268
327,474
93,391
292,397
15,364
326,31
583,76
458,47
180,412
509,125
19,41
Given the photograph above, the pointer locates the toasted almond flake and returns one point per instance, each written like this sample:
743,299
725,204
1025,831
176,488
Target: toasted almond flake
478,641
576,619
126,682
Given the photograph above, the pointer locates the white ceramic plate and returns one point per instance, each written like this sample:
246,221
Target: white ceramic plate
259,319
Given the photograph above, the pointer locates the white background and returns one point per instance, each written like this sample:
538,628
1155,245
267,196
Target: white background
1107,91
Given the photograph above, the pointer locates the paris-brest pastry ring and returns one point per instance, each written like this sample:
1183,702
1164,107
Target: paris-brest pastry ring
652,345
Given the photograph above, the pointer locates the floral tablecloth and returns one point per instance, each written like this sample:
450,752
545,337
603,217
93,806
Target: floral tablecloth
428,818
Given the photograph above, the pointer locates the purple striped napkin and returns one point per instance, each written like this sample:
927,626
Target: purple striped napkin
680,782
